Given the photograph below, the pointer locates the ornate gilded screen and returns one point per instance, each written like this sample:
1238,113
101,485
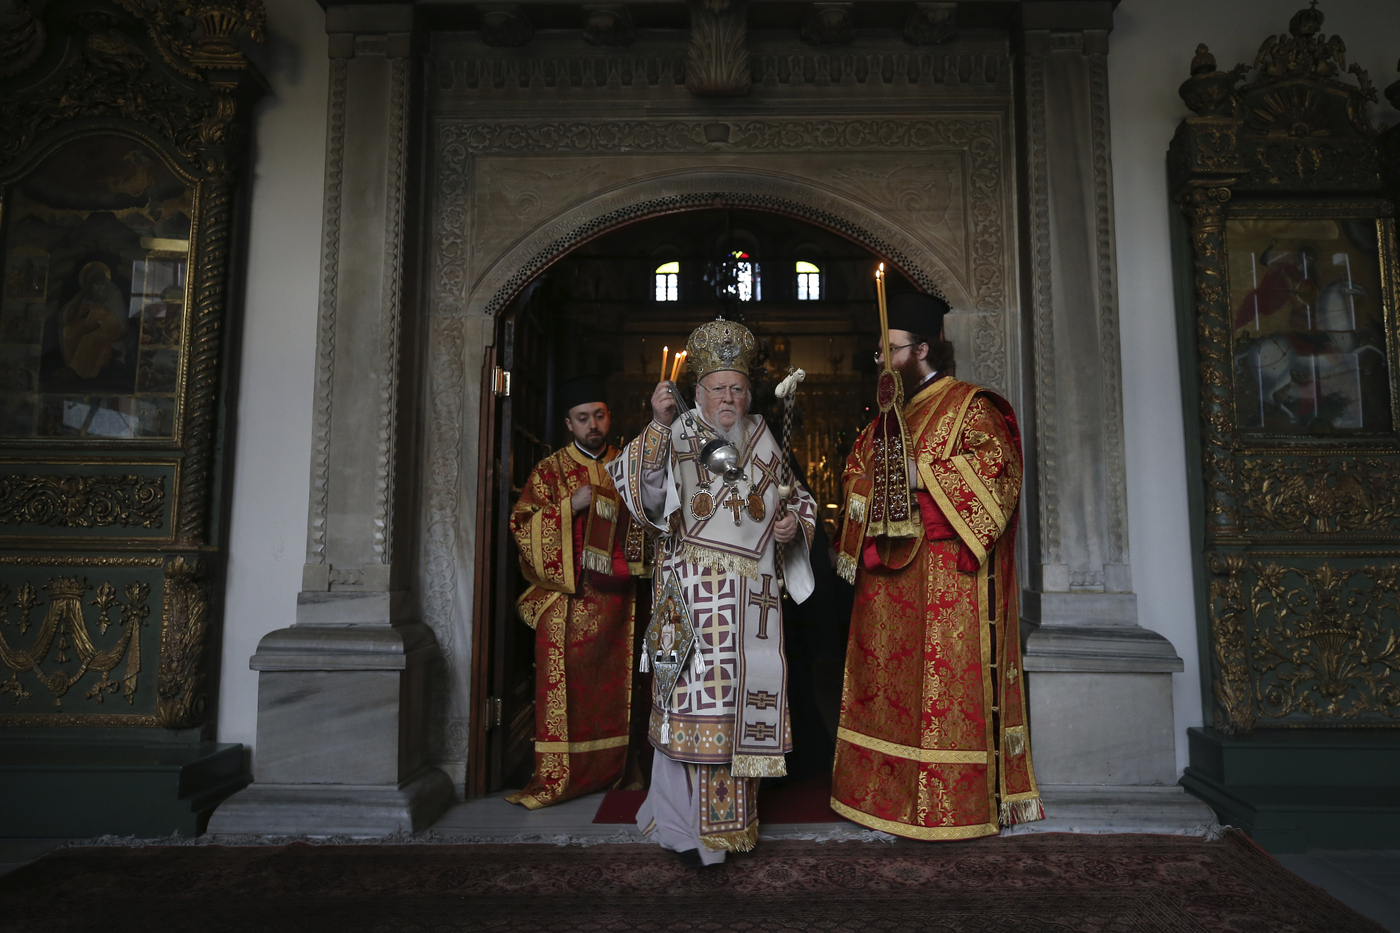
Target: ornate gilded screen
118,172
1290,347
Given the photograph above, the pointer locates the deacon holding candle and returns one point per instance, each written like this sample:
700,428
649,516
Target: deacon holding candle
933,740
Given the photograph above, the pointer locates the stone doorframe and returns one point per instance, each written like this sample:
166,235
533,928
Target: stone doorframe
348,738
462,319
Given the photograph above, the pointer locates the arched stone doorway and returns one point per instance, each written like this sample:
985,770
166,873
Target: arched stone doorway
886,213
599,310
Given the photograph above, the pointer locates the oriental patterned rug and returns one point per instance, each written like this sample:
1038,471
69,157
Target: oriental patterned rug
1028,884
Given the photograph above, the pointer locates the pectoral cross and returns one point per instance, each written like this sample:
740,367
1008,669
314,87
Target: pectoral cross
734,504
765,601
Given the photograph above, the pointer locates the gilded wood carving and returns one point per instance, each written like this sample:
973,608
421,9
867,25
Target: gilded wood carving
1292,242
126,132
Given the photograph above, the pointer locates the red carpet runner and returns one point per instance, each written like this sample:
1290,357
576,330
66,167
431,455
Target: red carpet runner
804,801
1054,883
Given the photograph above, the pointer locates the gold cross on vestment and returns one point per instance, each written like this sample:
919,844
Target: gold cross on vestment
765,601
691,456
734,504
767,473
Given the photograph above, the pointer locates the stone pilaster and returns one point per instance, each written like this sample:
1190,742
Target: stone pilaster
342,744
1099,684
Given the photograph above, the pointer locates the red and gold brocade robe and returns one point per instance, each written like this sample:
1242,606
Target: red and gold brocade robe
581,602
932,742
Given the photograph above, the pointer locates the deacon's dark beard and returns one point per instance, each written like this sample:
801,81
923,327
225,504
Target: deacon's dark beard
940,359
593,444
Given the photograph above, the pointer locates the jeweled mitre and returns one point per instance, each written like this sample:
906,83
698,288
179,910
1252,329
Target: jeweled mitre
720,345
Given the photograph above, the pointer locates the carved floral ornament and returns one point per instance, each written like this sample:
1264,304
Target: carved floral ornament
1303,645
70,646
111,71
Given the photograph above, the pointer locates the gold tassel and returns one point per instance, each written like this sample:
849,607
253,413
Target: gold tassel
1014,741
855,511
758,766
605,508
846,568
702,556
1029,810
745,840
595,560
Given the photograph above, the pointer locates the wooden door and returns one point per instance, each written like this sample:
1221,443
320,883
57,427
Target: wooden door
522,386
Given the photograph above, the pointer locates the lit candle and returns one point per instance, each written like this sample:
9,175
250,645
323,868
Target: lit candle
663,363
676,364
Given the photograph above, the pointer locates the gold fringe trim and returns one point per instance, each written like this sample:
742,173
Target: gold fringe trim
1014,741
892,529
605,508
702,556
758,766
1029,810
855,511
745,840
595,560
846,568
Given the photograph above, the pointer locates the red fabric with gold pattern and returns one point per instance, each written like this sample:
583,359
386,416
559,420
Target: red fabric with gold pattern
583,621
932,742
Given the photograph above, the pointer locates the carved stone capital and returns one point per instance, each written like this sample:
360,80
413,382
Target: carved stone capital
717,62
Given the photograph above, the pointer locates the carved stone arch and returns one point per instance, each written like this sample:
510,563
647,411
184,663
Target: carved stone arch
552,240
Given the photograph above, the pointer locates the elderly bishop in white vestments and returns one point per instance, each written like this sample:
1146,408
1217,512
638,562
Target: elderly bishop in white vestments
725,724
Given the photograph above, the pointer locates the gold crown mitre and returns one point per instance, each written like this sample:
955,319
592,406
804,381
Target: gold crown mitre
720,345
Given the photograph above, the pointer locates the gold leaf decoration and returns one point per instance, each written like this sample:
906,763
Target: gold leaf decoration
1321,495
82,501
180,699
1327,641
64,628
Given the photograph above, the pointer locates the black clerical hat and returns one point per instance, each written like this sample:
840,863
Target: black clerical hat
917,313
580,391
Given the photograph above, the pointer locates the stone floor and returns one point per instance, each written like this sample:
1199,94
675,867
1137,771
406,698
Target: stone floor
1366,880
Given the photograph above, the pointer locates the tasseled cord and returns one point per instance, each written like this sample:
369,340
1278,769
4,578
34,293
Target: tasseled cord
645,665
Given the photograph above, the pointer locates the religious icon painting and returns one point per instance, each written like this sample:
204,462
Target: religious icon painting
669,638
1310,333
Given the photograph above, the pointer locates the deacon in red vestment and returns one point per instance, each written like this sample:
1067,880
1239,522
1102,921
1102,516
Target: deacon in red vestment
932,742
580,551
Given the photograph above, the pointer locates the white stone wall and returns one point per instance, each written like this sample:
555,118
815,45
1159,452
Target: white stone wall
1151,48
272,433
1150,54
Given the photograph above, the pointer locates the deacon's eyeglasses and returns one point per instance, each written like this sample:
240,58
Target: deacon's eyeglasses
894,348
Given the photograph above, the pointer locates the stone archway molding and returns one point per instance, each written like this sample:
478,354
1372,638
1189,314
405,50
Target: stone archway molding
463,305
750,190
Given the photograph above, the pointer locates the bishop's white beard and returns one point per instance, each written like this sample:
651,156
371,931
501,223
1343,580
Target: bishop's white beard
737,435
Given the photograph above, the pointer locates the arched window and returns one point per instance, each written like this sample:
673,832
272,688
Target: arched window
667,281
746,284
809,282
